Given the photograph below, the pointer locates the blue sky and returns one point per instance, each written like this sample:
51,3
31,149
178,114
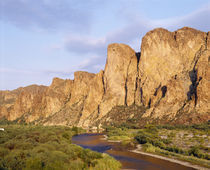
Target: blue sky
42,39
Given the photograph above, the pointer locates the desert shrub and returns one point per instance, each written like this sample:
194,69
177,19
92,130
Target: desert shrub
119,138
14,160
107,163
34,163
76,165
172,135
108,128
4,152
142,138
195,151
88,156
207,149
151,129
166,141
203,127
37,147
166,126
207,156
147,136
66,136
77,130
149,147
117,132
175,149
4,121
128,125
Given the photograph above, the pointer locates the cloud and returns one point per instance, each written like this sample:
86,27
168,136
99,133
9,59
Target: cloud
199,19
12,70
11,78
84,44
91,64
59,73
75,18
95,49
130,34
46,14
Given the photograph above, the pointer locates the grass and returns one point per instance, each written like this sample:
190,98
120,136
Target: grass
119,138
39,147
152,149
188,143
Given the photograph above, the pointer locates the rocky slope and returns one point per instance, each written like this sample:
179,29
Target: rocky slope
168,82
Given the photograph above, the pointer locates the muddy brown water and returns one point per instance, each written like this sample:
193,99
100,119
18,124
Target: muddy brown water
128,159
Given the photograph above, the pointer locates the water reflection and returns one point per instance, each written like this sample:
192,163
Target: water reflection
129,160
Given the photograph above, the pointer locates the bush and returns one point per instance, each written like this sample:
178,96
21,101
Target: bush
175,149
203,126
119,138
147,147
66,136
128,125
195,151
142,139
147,136
151,129
34,163
107,163
117,132
37,147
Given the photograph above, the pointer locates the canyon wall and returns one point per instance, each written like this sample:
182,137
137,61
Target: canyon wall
169,80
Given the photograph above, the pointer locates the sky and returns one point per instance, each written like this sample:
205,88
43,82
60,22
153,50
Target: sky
43,39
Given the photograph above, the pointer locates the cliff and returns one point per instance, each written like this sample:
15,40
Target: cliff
167,82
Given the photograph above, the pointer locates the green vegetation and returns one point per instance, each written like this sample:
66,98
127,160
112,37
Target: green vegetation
188,143
113,132
40,147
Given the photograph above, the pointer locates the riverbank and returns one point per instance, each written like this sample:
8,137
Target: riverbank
187,144
139,150
129,160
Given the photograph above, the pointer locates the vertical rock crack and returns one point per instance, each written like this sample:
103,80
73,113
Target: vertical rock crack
126,80
138,55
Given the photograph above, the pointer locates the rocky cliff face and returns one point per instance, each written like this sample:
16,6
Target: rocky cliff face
119,77
169,71
168,82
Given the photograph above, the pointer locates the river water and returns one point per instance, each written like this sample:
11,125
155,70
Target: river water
128,159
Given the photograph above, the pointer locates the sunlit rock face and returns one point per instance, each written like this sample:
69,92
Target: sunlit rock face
119,77
169,71
169,78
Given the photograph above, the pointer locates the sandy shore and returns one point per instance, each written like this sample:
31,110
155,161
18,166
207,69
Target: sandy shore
138,150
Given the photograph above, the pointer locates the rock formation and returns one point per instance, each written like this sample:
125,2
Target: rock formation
169,70
119,77
167,82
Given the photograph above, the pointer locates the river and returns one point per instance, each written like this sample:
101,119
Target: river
128,159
